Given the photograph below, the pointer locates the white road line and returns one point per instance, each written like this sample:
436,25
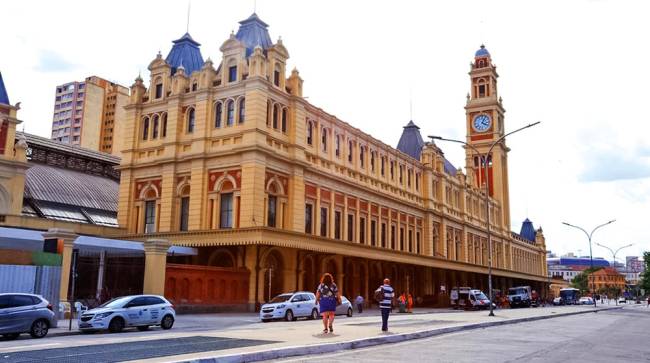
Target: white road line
27,347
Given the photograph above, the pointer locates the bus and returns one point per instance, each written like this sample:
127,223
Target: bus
570,296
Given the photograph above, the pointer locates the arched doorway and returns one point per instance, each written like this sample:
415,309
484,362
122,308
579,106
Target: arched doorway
309,278
273,282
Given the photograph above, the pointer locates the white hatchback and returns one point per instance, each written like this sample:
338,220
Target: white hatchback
290,306
141,311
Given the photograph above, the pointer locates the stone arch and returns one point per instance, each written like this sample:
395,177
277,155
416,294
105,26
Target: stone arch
225,178
274,186
149,192
222,258
273,276
309,279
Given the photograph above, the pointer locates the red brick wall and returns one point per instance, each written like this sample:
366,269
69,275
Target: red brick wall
205,285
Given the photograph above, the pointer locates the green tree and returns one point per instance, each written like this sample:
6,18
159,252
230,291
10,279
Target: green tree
645,276
582,281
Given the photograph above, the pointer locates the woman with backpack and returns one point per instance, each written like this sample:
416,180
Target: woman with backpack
327,297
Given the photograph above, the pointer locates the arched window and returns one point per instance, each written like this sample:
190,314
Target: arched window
310,133
350,151
164,125
324,139
284,119
242,110
230,117
145,128
337,149
190,120
154,133
195,86
276,114
218,114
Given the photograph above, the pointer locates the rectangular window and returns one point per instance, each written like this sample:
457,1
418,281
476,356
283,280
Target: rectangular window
337,224
150,216
308,218
373,233
410,241
351,227
225,220
232,74
383,235
272,209
417,243
159,90
392,237
392,170
362,230
185,213
401,239
323,221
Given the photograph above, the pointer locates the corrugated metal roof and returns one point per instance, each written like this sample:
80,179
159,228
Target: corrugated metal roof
50,184
253,32
55,145
4,97
186,53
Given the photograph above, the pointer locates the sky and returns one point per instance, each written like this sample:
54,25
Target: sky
576,66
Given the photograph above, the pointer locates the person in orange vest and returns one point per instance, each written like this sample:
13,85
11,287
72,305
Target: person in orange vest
410,304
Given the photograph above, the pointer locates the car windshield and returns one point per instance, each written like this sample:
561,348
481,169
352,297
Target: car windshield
516,291
118,302
480,296
280,298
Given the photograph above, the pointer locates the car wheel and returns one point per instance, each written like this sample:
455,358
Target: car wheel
39,329
11,336
167,322
143,328
349,312
314,314
116,325
289,316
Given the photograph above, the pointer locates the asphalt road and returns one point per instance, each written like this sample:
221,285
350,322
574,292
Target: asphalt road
607,336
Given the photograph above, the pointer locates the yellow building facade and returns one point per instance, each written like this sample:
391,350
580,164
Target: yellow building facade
230,158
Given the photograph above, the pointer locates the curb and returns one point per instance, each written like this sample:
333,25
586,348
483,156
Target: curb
287,352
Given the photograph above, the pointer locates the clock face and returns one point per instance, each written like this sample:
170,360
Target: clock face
482,122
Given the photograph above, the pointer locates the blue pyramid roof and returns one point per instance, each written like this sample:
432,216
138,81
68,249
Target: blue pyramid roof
482,52
4,97
411,142
253,32
185,52
527,230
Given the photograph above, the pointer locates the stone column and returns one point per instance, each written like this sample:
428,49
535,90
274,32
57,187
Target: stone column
66,238
155,263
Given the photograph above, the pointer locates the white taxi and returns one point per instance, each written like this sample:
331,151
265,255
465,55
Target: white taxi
140,311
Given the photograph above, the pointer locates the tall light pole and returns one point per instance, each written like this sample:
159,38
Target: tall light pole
484,159
591,255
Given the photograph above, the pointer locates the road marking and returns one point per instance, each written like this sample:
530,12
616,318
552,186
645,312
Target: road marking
27,347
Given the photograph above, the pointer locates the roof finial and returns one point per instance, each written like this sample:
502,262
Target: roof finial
189,4
411,103
254,6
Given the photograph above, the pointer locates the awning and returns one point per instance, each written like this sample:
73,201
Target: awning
32,240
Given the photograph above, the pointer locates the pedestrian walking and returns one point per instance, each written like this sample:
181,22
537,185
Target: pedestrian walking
386,294
327,296
409,305
359,303
648,302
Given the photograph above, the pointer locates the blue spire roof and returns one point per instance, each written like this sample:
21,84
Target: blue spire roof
253,32
411,142
527,230
185,52
4,97
482,52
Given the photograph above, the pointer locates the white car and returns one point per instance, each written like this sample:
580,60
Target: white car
140,311
585,300
622,300
290,306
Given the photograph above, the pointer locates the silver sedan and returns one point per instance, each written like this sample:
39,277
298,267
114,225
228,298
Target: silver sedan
345,308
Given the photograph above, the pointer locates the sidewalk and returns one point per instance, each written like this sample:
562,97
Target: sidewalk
286,339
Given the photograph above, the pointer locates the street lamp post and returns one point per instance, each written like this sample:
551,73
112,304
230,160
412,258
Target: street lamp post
591,256
614,253
484,159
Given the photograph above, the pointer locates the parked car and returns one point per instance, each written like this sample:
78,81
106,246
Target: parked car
622,300
140,311
290,306
586,300
558,301
345,308
25,313
520,296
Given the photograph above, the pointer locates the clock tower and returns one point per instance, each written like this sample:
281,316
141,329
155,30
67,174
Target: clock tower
484,111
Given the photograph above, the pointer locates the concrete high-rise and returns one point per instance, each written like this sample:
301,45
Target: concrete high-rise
85,114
